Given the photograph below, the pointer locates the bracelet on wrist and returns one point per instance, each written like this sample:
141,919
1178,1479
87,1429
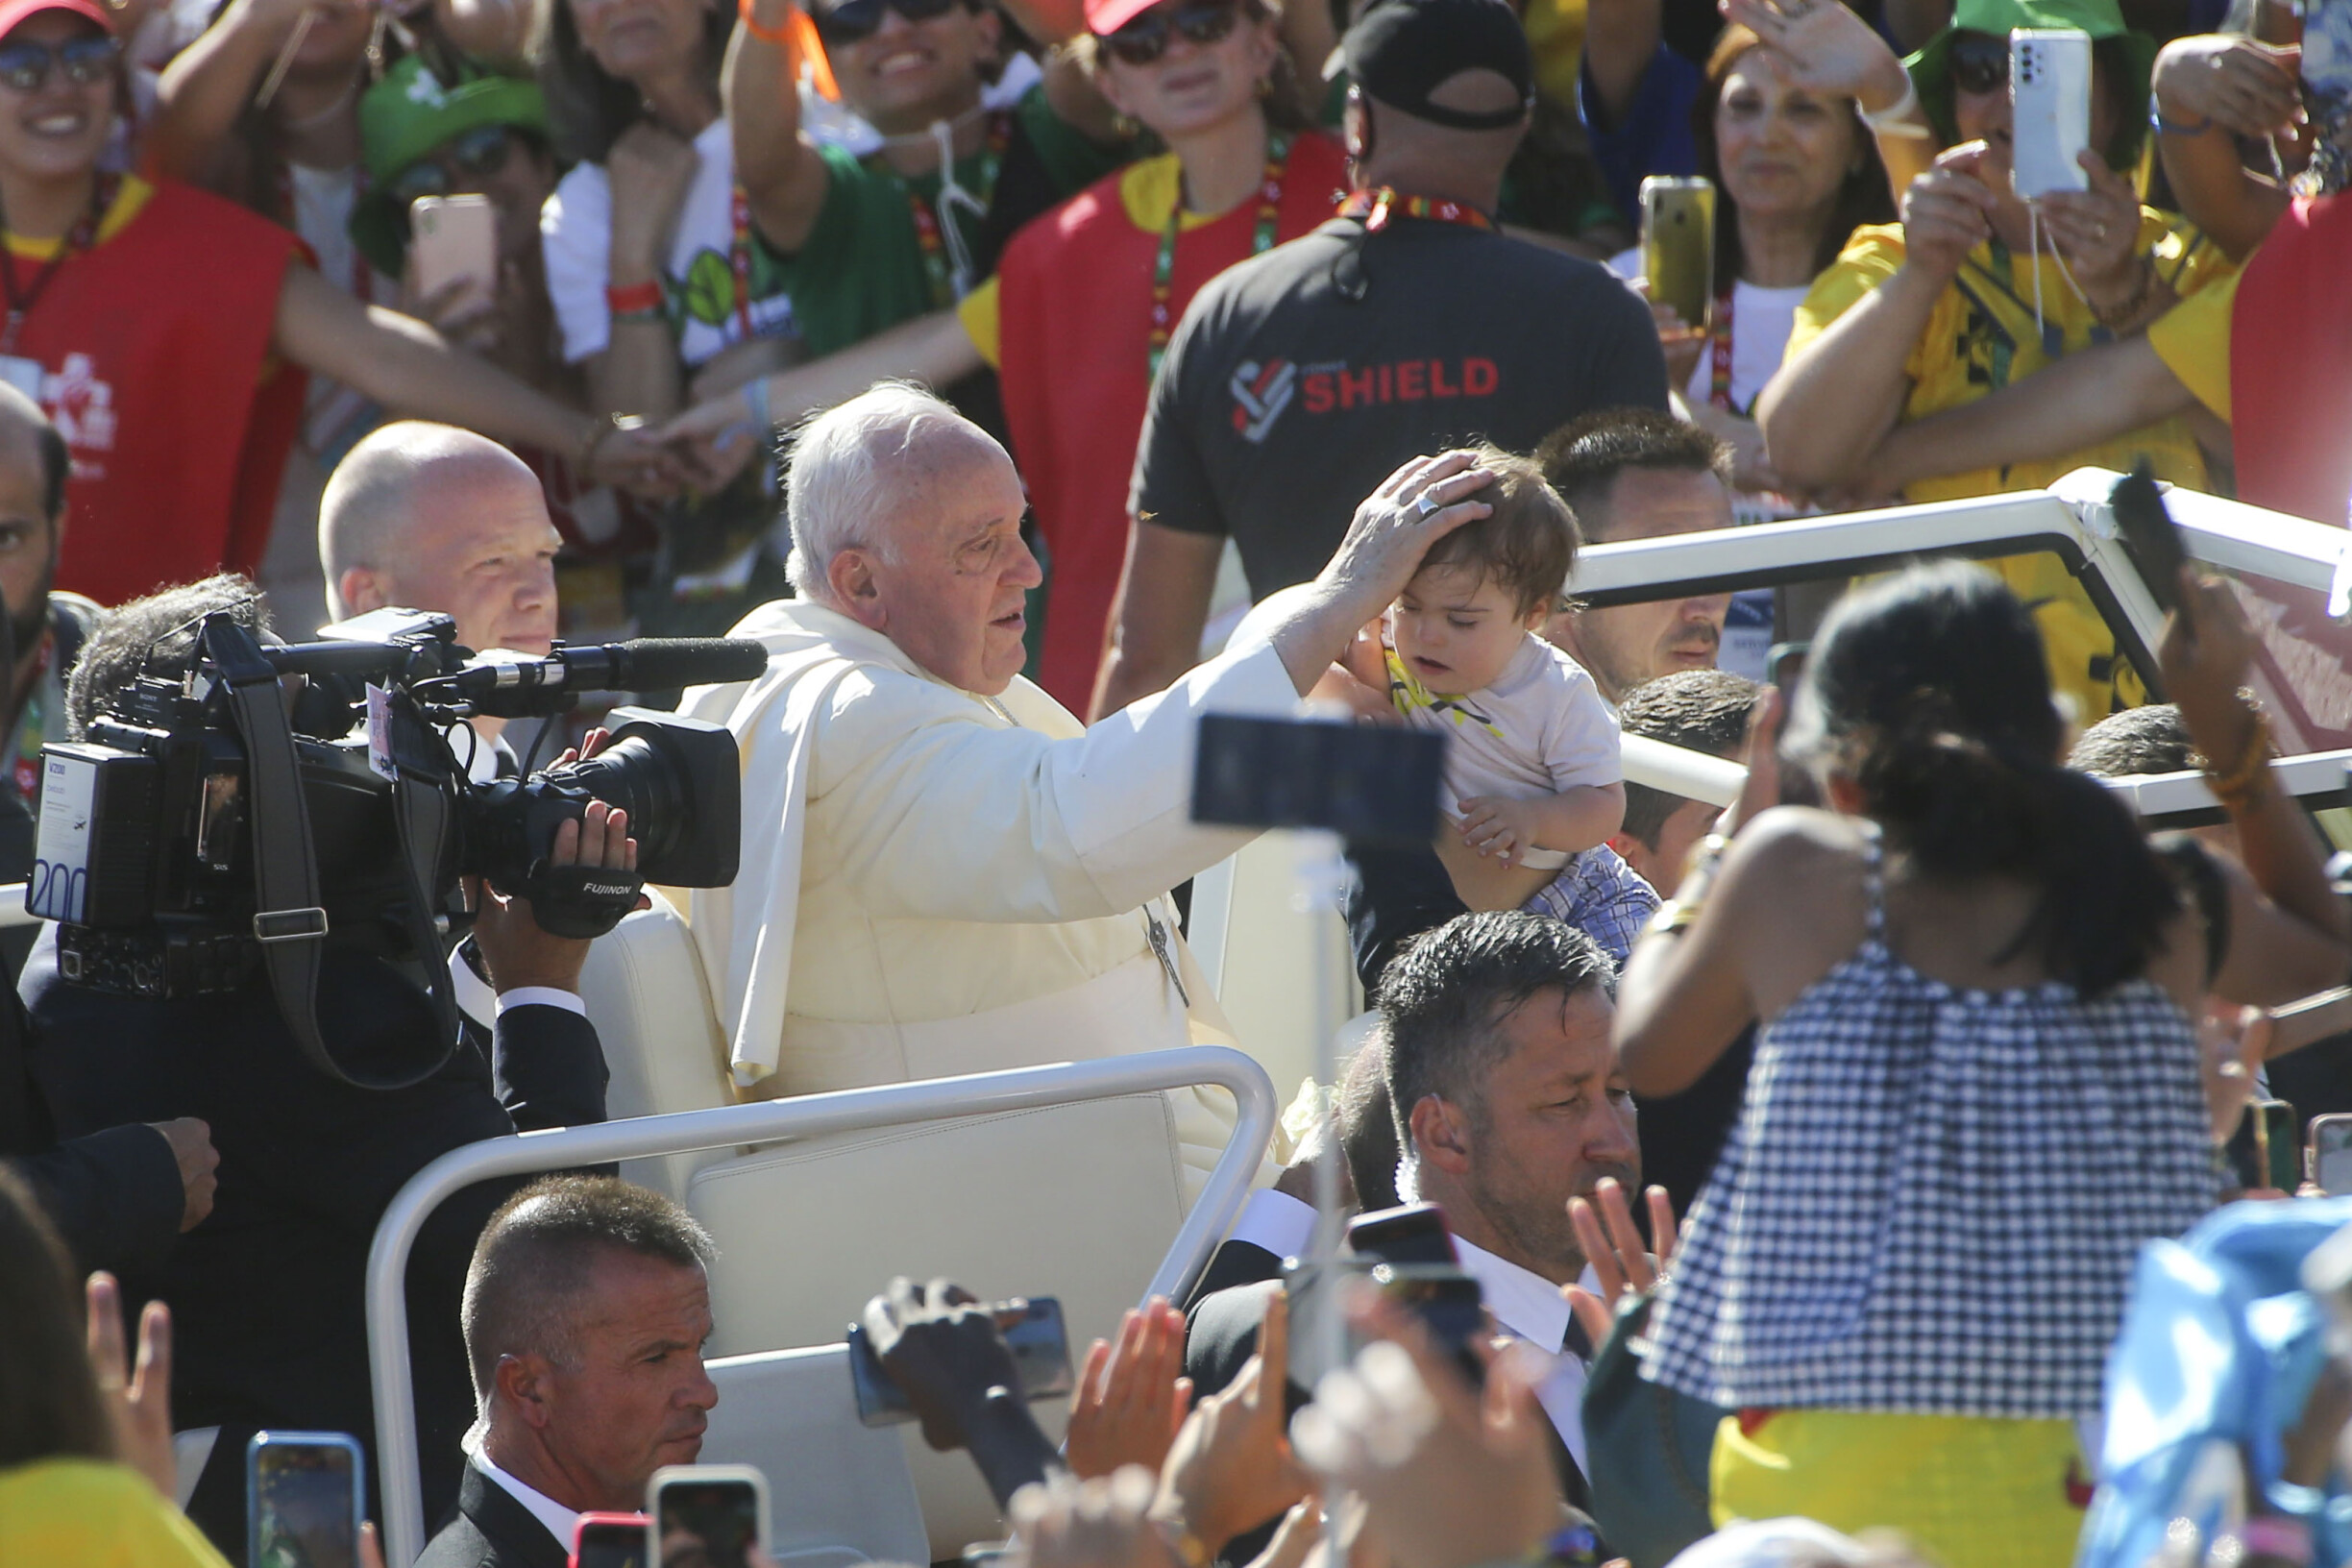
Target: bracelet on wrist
1895,120
2242,785
1682,911
633,301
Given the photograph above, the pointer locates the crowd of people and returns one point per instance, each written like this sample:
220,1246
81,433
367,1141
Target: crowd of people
1033,378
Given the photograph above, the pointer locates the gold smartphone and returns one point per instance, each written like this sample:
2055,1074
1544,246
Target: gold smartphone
1678,246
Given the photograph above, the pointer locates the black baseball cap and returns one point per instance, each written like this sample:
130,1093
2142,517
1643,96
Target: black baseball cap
1400,49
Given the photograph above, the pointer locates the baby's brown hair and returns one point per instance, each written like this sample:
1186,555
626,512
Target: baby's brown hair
1528,544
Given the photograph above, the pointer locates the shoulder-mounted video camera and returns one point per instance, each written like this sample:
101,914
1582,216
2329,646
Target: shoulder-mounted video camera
227,820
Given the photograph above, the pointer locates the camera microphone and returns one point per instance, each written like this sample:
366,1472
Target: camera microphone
506,685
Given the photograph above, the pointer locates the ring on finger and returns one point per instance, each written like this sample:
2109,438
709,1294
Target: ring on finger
1426,504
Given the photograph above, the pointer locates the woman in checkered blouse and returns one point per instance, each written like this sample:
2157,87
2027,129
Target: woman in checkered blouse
1976,1089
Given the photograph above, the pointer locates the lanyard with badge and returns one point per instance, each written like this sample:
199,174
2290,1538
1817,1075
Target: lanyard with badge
23,374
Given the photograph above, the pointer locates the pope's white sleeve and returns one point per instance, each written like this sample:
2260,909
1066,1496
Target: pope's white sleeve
953,819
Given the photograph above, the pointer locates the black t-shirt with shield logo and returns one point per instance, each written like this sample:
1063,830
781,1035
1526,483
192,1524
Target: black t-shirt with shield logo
1300,379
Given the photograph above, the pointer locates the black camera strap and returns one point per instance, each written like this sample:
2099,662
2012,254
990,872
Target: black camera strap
289,923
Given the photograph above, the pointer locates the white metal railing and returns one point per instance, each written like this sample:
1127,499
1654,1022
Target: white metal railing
767,1121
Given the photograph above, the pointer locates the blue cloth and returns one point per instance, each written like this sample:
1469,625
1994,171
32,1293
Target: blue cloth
1602,897
1654,136
2220,1346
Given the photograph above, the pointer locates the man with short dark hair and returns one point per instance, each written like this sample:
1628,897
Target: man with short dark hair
45,628
1407,323
586,1309
1638,474
1495,1039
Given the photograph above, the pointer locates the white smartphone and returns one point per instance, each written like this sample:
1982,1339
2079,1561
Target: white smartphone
2050,110
453,239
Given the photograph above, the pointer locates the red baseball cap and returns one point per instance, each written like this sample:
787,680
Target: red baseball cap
1104,17
13,12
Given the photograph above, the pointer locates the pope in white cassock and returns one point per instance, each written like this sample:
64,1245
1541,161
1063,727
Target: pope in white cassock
943,871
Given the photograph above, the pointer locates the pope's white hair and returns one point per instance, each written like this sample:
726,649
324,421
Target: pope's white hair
838,489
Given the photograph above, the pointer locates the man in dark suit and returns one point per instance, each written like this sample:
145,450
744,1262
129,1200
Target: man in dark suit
1495,1040
586,1307
267,1294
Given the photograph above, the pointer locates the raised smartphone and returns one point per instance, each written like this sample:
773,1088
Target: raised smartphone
2327,1153
302,1500
612,1541
453,239
2148,533
2050,110
707,1515
1678,246
1033,1331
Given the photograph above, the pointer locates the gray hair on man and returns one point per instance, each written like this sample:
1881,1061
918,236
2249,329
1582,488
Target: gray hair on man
837,494
527,1284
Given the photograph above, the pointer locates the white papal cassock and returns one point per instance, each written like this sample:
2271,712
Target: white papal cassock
938,883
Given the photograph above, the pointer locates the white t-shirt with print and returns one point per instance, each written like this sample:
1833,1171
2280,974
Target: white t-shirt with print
1539,730
575,237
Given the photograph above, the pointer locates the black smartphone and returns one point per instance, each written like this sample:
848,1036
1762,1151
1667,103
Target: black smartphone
2149,534
707,1515
1033,1331
302,1500
1449,1304
1372,783
2264,1151
1415,1234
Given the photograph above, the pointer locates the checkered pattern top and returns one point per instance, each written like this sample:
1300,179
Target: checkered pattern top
1602,897
1934,1195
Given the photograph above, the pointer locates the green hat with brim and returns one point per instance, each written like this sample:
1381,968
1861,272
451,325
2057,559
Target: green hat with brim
406,117
1931,67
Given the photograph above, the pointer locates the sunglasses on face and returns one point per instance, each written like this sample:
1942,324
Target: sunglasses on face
854,21
25,66
1981,66
1145,40
460,165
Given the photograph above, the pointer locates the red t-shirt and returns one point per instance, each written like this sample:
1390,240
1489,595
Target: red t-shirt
1074,325
155,350
2291,365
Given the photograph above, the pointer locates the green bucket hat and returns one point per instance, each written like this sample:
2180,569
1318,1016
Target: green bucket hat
408,114
1931,67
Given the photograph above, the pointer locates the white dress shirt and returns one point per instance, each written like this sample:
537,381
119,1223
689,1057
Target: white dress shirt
1533,1309
562,1522
1528,1306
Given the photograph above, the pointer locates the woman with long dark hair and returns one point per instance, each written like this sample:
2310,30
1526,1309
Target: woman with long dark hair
1977,1091
1796,172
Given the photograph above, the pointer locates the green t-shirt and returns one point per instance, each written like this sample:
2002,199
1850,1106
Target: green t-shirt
864,267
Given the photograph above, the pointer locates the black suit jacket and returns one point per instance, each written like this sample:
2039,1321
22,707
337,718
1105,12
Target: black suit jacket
1221,1318
491,1529
115,1194
268,1294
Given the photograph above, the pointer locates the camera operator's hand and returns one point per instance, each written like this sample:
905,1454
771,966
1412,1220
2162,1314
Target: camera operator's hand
192,1150
513,948
137,1400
